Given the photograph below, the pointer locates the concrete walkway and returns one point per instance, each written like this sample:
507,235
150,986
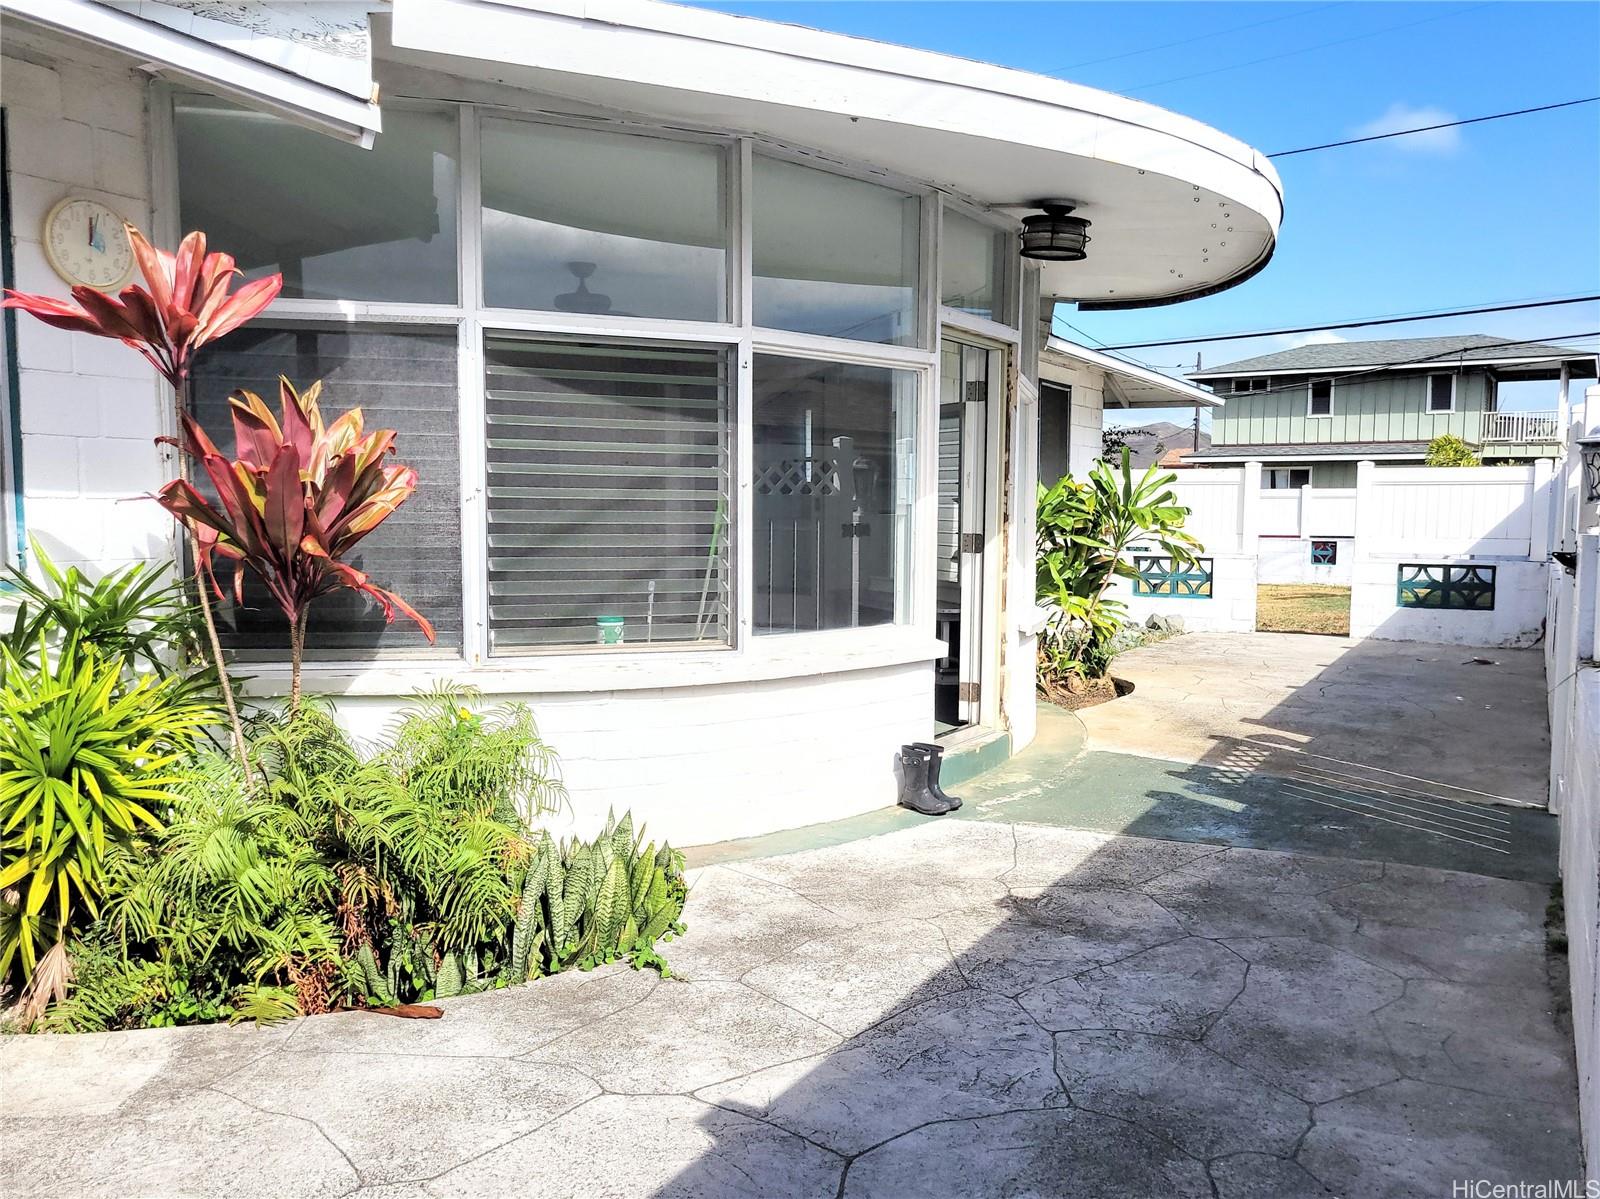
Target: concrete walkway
964,1008
1302,976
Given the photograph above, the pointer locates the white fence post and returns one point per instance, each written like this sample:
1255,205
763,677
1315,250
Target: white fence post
1366,495
1539,500
1250,509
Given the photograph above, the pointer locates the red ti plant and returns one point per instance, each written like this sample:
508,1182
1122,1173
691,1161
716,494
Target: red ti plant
186,302
292,503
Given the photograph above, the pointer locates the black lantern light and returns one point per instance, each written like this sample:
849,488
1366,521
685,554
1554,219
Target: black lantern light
1053,235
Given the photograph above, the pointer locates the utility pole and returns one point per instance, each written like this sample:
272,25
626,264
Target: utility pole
1197,406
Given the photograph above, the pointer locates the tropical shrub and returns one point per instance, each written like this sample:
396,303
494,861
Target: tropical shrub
296,498
87,762
335,877
185,304
1082,536
1449,450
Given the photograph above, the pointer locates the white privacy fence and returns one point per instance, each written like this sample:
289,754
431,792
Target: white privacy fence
1430,553
1572,681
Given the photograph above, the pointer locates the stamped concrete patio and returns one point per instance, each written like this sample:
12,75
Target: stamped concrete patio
963,1008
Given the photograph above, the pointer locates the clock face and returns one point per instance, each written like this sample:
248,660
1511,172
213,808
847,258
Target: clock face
86,243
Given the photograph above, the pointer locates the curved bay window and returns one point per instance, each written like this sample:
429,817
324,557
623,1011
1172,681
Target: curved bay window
573,407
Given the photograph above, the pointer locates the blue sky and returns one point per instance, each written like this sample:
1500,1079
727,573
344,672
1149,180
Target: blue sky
1503,211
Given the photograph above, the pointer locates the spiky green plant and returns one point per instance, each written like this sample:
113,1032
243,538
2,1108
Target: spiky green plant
86,762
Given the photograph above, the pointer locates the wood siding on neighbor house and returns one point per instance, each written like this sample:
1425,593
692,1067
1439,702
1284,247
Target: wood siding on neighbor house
1385,407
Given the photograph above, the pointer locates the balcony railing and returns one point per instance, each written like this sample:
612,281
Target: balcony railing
1521,426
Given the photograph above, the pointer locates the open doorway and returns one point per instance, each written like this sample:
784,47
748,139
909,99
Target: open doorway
969,375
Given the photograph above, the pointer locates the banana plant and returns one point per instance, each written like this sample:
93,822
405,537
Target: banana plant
1082,538
297,497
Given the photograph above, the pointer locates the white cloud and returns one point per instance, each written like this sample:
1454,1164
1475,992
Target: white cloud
1402,116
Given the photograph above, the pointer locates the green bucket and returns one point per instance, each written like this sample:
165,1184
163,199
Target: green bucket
608,630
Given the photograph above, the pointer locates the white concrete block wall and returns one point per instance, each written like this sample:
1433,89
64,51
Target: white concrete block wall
1517,618
90,407
1231,607
712,763
1087,419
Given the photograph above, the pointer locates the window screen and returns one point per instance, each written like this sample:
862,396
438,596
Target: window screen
608,493
401,380
1321,402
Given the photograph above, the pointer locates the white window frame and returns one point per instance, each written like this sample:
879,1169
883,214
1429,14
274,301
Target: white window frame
1427,394
1311,391
1011,273
747,657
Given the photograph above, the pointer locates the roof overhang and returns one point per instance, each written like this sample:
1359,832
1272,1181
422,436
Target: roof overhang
1178,209
1127,384
264,67
1579,366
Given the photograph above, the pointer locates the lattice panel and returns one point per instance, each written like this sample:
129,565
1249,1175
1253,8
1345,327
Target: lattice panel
1169,578
1443,585
799,476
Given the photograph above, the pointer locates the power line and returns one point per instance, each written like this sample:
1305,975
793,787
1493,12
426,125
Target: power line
1298,11
1339,376
1378,137
1387,320
1304,49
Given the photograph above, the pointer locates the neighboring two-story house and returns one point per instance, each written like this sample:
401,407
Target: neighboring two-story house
1308,415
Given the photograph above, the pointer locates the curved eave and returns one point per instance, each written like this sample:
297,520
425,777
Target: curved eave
1178,209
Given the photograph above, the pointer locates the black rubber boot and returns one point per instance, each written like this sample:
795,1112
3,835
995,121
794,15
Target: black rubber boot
914,792
935,752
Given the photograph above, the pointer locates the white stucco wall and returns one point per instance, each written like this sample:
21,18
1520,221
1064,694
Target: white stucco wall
1088,411
1288,560
90,407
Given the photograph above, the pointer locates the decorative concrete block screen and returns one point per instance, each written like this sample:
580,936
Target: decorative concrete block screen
1467,588
1324,553
1164,576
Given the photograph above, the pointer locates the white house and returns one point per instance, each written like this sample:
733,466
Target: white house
698,328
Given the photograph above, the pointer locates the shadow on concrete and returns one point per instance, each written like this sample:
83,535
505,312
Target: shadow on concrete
1118,976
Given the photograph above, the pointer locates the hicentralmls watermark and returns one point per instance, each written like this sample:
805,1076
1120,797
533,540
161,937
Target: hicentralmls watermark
1560,1188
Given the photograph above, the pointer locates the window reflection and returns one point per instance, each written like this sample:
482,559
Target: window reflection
592,222
834,256
338,222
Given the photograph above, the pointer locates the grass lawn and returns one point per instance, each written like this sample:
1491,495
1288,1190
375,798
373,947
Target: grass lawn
1302,608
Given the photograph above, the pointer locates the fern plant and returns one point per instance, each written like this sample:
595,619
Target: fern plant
336,874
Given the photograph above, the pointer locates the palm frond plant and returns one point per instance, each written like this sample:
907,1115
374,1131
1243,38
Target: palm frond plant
87,762
138,614
1083,533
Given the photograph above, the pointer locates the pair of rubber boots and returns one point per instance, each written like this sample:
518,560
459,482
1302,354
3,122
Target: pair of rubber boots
919,780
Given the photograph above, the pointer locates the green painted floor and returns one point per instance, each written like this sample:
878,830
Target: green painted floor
1058,781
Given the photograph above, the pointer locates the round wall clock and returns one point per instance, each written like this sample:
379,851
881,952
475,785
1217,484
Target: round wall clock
87,243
